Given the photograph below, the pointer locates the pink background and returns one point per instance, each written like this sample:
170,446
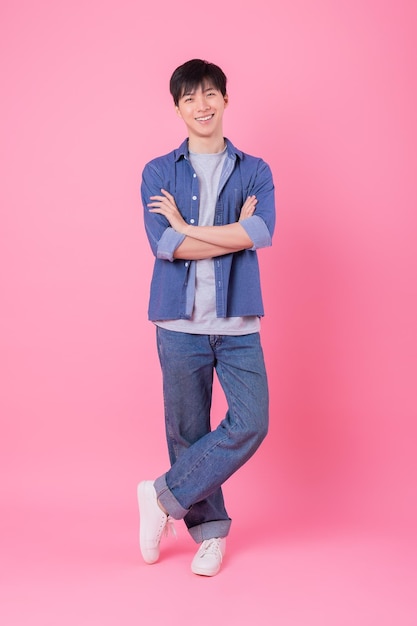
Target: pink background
326,92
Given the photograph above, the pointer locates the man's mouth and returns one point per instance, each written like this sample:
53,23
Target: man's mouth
204,119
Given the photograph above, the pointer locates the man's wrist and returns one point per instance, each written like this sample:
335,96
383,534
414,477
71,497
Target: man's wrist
186,230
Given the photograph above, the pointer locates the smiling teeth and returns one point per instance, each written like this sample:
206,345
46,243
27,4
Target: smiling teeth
204,119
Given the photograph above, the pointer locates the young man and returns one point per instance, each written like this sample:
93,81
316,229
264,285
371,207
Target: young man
208,208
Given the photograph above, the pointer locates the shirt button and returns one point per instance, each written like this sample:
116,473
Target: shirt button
194,175
192,221
186,264
194,197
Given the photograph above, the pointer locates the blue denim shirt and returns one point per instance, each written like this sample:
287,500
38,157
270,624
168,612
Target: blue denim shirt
238,289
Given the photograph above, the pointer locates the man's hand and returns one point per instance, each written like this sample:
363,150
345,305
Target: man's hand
248,208
165,205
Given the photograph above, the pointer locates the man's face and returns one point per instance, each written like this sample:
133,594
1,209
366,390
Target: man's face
202,111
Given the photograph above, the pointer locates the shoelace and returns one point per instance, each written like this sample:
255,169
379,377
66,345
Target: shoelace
210,546
166,527
169,528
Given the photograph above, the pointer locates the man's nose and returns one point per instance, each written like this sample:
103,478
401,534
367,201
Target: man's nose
202,104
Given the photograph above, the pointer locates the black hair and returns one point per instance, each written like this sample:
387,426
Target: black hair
194,73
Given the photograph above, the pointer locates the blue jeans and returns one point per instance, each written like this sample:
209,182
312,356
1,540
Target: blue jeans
201,458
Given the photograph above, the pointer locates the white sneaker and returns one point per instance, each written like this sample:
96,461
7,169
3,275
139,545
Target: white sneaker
152,521
209,557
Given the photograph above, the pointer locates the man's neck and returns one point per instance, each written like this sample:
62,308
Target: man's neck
206,145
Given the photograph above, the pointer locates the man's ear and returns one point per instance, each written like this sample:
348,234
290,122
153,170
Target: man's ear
226,100
178,112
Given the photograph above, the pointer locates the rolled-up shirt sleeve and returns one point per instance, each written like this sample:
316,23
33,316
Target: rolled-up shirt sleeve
168,243
163,239
260,226
258,232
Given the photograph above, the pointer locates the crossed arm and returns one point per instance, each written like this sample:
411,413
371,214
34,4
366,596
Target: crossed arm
202,242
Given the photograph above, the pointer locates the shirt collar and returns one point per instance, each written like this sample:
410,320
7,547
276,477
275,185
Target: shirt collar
232,152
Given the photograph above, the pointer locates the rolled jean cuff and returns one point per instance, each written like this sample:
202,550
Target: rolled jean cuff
168,500
209,530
